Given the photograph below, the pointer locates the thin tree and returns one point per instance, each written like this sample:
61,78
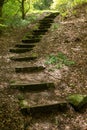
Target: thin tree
1,7
23,7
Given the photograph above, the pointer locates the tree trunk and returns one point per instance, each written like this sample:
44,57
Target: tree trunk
1,6
0,11
23,10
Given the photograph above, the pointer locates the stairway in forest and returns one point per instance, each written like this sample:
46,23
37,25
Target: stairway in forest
37,90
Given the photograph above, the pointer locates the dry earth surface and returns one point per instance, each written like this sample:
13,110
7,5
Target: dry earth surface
70,38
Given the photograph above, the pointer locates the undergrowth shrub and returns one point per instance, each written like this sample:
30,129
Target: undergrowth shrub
16,21
2,25
65,6
55,26
59,60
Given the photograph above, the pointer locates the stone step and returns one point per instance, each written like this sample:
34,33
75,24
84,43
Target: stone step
60,106
27,58
20,50
29,69
26,40
25,45
32,87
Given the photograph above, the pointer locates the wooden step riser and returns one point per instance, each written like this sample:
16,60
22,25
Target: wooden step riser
48,19
32,87
46,22
44,27
22,59
52,15
29,69
33,37
58,107
39,32
30,46
20,50
30,41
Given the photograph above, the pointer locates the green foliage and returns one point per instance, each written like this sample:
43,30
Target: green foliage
16,21
55,26
59,60
64,5
12,14
77,100
12,9
42,4
2,26
20,97
23,104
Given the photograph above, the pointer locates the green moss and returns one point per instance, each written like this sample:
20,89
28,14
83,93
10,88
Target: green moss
34,55
24,104
20,97
77,100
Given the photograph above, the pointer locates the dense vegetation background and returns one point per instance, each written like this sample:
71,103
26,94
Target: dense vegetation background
19,12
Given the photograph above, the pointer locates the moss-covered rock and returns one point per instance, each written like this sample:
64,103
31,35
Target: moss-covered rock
77,100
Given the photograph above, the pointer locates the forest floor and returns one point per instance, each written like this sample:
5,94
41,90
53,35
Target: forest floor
70,38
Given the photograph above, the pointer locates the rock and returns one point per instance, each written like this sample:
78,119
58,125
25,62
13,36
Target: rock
77,100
